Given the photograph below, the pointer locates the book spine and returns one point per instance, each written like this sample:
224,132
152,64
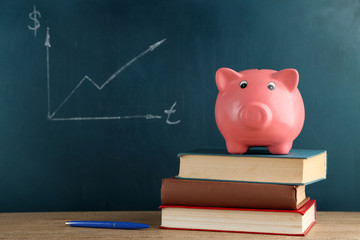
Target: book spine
228,194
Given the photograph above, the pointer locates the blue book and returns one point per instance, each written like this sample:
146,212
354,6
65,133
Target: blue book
299,167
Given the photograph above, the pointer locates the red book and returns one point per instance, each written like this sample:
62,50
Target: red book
266,221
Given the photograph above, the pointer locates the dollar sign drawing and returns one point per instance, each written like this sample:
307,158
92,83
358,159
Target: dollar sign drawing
33,16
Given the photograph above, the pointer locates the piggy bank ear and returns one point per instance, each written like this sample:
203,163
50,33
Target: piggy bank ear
289,77
224,76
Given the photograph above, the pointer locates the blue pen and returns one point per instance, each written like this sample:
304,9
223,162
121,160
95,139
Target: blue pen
105,224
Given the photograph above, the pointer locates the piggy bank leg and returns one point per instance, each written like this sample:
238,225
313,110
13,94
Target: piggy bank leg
282,148
236,148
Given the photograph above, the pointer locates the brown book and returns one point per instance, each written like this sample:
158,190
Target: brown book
232,194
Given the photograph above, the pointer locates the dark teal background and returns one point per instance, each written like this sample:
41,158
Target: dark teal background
118,164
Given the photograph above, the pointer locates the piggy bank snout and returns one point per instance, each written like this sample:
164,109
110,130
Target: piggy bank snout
255,115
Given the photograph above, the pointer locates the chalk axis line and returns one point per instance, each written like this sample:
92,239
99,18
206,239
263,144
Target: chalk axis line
50,115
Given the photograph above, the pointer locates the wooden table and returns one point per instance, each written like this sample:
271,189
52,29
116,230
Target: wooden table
51,225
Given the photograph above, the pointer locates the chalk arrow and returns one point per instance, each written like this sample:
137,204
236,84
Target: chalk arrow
47,45
47,40
86,78
155,45
150,49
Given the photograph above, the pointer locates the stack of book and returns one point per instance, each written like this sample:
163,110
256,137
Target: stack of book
255,192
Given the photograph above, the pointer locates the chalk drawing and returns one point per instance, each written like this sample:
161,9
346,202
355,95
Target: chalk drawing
33,16
51,116
169,112
147,116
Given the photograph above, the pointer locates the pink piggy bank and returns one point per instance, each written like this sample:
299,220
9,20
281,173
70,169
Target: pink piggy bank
259,108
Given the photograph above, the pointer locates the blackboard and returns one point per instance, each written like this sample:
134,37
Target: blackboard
98,97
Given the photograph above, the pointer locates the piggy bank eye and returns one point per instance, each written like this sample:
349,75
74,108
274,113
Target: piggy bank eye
271,85
243,84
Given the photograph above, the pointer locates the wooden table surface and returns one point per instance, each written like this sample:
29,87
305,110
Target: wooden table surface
51,225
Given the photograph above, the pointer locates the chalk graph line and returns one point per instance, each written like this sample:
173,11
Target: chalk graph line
50,115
